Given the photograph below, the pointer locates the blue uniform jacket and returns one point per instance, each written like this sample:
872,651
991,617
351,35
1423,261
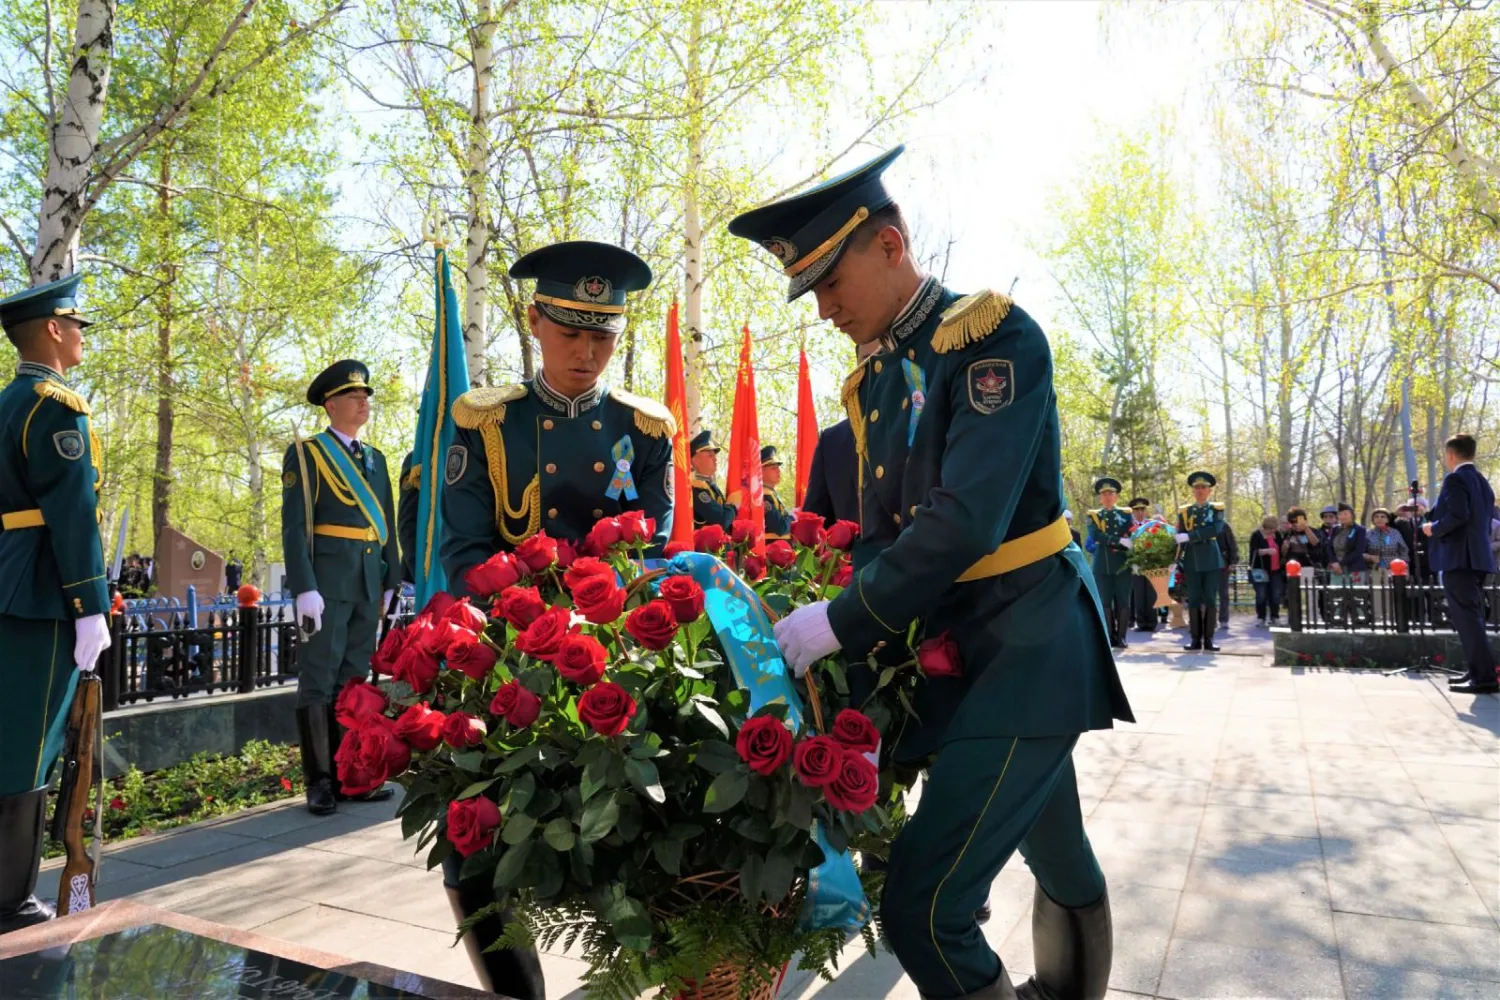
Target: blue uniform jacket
1461,523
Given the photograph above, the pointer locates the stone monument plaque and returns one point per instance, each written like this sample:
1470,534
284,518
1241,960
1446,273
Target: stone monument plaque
182,563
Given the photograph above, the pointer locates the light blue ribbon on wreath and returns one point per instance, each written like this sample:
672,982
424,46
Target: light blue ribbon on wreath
623,453
916,386
835,897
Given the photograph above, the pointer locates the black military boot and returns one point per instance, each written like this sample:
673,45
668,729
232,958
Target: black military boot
1122,626
1073,949
509,972
317,758
335,737
22,827
1000,989
1195,623
1210,622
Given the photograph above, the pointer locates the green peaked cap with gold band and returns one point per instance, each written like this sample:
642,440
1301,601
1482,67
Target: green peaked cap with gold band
582,284
808,232
769,456
1202,479
341,376
56,298
1106,483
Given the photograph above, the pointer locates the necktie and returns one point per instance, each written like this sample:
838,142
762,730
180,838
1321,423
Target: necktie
357,450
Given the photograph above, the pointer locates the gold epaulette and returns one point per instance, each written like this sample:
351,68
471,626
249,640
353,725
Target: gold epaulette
48,389
970,320
651,418
413,480
485,405
1216,505
1186,506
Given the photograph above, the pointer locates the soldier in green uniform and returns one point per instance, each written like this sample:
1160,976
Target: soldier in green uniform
339,541
1142,595
956,434
564,451
1109,531
778,515
54,600
709,503
1199,525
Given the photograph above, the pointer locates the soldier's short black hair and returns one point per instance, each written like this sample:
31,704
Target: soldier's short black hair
22,334
1343,507
890,215
1462,445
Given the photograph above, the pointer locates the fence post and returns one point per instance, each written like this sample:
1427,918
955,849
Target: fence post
1294,595
249,626
1398,595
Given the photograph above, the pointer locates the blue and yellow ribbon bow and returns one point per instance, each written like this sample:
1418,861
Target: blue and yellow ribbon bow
916,385
623,454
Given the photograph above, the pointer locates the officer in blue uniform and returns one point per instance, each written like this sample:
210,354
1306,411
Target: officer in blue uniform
709,504
959,467
1199,525
338,537
778,514
54,600
1109,538
832,484
556,453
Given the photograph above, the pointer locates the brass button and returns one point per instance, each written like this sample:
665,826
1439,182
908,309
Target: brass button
551,468
878,367
913,510
896,518
879,472
904,402
598,466
552,513
368,550
912,354
598,513
874,415
547,424
598,426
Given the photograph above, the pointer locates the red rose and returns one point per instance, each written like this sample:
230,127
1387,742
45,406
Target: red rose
755,568
710,538
496,573
417,667
437,605
472,824
780,554
842,535
580,659
938,657
566,553
744,532
606,708
369,754
652,624
357,700
465,616
543,636
843,576
603,535
674,549
538,552
857,785
384,660
516,705
437,637
807,529
636,527
461,731
421,727
764,743
685,597
584,567
599,599
854,730
471,656
521,606
816,760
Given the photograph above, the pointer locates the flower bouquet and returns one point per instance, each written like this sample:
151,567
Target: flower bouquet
615,743
1152,554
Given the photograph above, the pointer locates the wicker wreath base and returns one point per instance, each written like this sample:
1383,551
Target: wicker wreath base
723,983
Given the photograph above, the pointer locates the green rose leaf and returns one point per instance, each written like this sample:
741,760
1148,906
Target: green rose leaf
726,791
512,864
643,775
518,827
599,817
559,834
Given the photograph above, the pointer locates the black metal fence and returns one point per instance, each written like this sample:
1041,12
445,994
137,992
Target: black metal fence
1318,601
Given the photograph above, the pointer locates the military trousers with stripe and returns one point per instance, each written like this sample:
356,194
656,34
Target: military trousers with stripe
982,800
38,677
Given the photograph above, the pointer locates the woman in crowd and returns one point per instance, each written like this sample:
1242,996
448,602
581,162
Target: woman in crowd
1301,542
1383,543
1267,571
1346,548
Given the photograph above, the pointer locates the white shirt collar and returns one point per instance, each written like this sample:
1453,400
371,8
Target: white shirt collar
348,441
1460,465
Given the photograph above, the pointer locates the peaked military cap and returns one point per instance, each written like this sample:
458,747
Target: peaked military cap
1106,483
1202,479
808,232
56,298
704,441
1140,503
341,376
582,283
768,455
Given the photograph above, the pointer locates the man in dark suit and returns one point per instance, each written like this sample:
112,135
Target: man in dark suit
833,482
1459,528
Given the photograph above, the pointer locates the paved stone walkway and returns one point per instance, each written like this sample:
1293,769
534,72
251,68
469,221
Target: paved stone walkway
1266,833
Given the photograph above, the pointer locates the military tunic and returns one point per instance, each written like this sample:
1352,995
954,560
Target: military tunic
408,496
778,517
349,565
558,465
1202,559
53,565
1111,571
710,505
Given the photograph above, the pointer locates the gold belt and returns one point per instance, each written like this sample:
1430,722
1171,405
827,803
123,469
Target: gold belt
1023,551
22,519
353,534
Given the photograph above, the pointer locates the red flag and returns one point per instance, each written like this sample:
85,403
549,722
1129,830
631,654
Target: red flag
682,490
742,478
807,427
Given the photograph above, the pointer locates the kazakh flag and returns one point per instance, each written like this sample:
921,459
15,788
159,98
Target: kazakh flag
447,379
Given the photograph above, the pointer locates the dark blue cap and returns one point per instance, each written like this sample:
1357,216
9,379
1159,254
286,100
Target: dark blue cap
768,455
703,441
56,298
341,376
808,232
1106,483
1202,479
582,283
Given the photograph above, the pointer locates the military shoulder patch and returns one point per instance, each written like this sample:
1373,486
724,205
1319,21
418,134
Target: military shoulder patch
456,465
413,478
485,405
651,418
69,444
705,496
992,385
970,320
288,480
48,389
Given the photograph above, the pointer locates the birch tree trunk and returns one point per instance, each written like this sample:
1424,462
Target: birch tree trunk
693,228
166,415
476,184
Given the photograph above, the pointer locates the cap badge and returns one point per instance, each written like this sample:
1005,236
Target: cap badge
595,289
783,250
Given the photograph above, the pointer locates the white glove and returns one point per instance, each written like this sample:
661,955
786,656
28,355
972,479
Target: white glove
1182,536
385,601
806,637
1127,541
90,638
310,605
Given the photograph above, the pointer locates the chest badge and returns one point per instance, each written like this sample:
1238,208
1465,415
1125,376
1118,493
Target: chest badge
916,387
622,481
992,385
